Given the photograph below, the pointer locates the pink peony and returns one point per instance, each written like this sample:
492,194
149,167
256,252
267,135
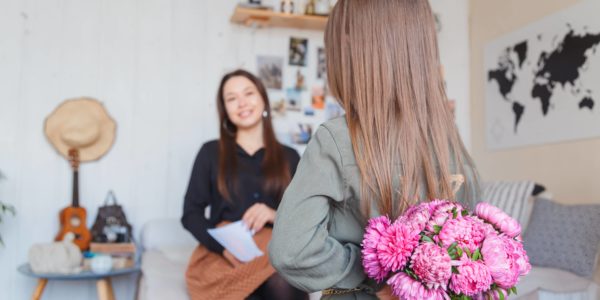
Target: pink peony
441,211
498,218
375,229
417,216
502,266
432,264
396,245
473,277
438,206
519,256
407,288
466,231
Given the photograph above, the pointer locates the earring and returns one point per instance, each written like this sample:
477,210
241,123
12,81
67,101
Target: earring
265,114
227,129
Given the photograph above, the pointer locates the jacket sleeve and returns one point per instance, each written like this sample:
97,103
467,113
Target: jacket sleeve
197,198
301,249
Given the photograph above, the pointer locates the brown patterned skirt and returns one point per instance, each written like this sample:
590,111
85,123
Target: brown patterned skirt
210,276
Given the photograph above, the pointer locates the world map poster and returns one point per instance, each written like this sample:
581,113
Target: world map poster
543,81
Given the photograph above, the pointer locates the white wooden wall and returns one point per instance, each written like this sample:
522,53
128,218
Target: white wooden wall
155,64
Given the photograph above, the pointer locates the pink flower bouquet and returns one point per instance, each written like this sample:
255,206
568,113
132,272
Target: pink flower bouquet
439,250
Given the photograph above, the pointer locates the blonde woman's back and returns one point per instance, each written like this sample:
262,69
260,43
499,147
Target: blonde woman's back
319,224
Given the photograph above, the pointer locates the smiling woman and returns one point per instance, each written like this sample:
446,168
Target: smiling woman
240,176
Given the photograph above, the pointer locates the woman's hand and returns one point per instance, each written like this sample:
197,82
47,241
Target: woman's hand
257,216
231,259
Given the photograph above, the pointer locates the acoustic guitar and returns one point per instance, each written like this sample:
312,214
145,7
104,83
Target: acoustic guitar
73,218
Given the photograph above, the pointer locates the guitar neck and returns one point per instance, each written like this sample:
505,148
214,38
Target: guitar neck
75,188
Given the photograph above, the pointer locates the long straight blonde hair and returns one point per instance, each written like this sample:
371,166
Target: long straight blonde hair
384,68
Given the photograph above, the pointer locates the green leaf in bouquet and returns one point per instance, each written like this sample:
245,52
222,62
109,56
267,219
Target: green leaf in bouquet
514,289
468,252
454,214
464,213
453,254
410,273
425,238
455,270
476,255
501,294
437,228
453,246
459,251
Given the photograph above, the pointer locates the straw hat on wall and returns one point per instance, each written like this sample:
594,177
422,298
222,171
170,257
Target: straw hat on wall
81,123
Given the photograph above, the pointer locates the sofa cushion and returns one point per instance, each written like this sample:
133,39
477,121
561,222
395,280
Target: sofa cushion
163,278
513,197
563,236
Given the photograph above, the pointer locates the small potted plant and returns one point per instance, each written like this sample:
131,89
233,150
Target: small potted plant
4,209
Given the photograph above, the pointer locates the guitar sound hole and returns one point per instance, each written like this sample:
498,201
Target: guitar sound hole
75,221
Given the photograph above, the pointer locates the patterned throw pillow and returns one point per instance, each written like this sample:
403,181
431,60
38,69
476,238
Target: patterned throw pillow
563,236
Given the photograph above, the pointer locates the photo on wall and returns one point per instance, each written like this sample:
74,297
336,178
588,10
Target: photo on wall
300,80
302,133
278,104
297,52
293,99
318,97
270,71
309,111
321,64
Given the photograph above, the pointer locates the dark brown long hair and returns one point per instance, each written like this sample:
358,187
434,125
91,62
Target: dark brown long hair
383,66
275,167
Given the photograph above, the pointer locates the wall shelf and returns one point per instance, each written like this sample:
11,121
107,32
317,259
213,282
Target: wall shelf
268,18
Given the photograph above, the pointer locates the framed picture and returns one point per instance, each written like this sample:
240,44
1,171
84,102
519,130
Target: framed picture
321,63
298,50
293,99
270,71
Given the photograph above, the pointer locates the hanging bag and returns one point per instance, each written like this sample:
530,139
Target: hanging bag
111,224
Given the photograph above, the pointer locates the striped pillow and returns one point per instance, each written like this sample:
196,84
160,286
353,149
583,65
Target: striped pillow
513,197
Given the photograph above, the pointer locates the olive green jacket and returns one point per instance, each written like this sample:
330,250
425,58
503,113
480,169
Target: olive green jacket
319,227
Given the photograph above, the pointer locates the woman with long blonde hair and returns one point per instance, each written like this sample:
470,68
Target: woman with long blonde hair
396,146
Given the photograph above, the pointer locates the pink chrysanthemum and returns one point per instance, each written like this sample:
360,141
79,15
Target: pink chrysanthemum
441,211
432,264
502,266
417,216
498,218
465,231
473,277
375,229
407,288
396,245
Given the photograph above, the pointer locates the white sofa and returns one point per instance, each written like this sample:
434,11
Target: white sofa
167,248
555,284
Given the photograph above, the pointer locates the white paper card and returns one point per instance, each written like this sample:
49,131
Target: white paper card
237,240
